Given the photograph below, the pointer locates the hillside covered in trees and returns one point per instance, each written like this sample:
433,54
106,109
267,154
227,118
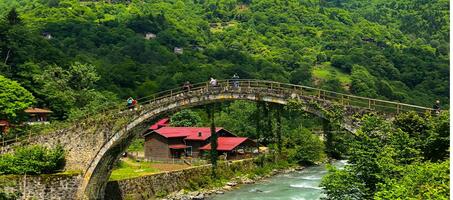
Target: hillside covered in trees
78,55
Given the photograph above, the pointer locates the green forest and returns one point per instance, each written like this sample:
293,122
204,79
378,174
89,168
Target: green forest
74,56
80,56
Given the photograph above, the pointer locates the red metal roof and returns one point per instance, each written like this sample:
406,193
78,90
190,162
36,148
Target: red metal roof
177,146
226,143
190,133
161,123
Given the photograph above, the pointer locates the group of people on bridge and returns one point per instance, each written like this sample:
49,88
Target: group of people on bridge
131,103
187,86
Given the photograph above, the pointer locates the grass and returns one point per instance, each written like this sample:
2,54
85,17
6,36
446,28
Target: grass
128,168
324,71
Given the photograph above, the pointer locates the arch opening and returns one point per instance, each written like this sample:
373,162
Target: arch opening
97,175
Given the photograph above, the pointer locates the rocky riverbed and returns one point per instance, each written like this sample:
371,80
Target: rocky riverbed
229,186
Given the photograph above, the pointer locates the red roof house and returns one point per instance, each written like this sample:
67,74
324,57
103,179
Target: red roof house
161,123
227,143
233,147
174,142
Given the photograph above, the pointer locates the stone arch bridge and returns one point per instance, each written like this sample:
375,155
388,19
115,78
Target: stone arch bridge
94,144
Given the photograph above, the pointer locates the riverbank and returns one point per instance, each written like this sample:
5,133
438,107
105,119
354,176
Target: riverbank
196,182
233,183
297,185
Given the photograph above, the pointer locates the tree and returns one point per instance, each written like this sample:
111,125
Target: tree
238,117
13,17
342,185
71,89
185,118
430,133
307,147
302,75
213,139
13,99
363,84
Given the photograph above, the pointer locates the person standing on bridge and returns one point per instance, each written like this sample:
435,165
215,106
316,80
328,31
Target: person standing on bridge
213,82
436,107
186,87
129,102
134,104
235,79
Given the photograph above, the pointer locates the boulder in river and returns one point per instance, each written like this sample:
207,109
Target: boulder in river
232,183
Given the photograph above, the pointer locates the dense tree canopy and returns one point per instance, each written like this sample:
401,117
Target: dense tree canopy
81,56
383,49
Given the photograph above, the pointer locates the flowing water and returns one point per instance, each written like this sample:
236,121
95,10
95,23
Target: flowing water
300,185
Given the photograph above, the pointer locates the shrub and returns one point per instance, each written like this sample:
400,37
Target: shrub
32,160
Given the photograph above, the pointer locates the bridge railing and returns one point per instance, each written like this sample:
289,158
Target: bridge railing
288,89
340,98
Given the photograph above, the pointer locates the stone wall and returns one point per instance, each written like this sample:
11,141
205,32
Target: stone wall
81,140
48,187
147,187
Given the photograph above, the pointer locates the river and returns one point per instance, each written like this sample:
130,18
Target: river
300,185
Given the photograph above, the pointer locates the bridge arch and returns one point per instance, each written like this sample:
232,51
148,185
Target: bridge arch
96,177
98,170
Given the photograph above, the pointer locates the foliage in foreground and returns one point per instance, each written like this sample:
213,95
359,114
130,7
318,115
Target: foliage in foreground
419,181
395,160
32,160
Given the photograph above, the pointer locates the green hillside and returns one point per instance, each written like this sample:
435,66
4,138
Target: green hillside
74,54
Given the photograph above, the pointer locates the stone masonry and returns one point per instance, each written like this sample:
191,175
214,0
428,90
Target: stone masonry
147,187
49,187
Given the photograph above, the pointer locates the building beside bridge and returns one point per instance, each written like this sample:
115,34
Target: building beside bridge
34,116
233,147
37,115
165,143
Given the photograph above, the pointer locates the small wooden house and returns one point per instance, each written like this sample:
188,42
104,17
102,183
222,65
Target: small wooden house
38,116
